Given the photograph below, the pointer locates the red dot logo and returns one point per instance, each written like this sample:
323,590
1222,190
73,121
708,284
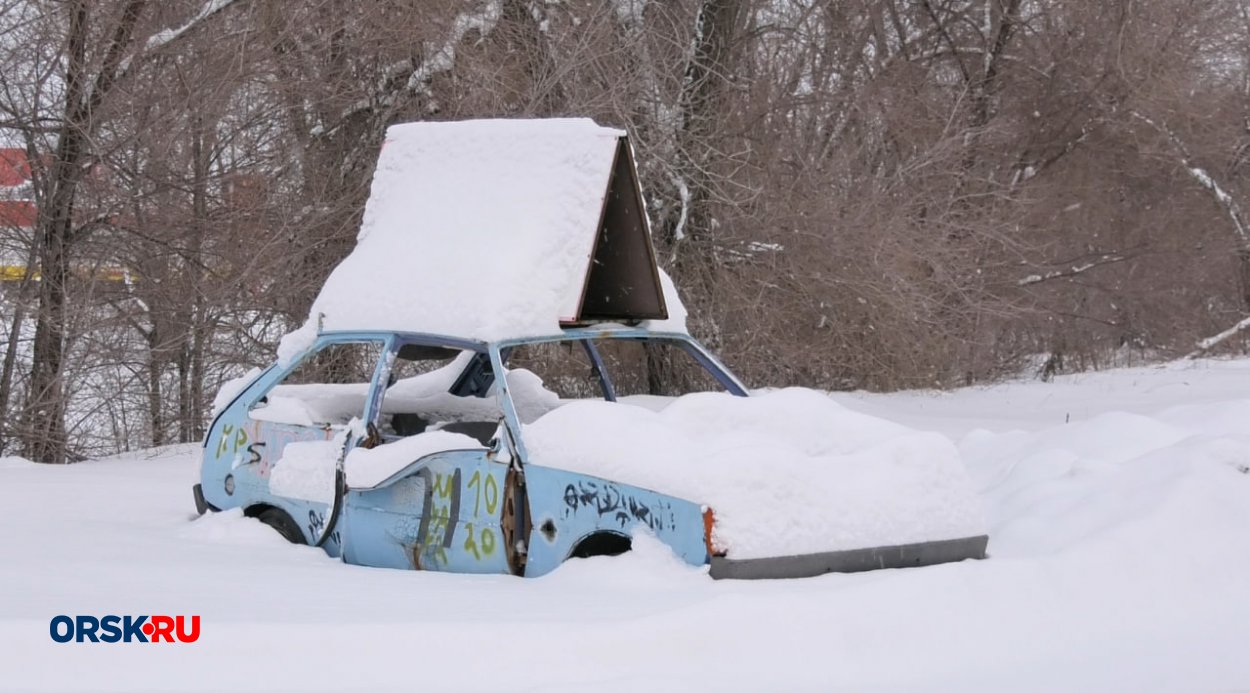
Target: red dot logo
148,629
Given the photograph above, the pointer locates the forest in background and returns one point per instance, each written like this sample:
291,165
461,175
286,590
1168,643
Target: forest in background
871,194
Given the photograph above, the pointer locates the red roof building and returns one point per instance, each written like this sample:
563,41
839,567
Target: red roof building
17,208
14,168
18,213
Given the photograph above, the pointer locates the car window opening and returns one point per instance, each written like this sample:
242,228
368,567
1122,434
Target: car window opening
435,388
649,373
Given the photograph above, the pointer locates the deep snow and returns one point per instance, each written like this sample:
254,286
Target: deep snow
846,480
1119,511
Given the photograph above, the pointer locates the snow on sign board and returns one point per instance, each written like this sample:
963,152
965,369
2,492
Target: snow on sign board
500,228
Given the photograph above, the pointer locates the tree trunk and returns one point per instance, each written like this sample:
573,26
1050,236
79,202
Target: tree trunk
199,338
45,408
192,280
156,417
1243,277
705,83
10,347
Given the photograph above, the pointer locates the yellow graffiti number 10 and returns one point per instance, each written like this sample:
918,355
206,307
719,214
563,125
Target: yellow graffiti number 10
484,490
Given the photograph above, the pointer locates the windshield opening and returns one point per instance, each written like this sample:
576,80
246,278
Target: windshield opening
648,372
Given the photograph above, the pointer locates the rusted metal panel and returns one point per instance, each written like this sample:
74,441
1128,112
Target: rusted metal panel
515,523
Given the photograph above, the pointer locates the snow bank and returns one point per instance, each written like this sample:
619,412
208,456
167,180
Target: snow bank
1118,477
478,229
788,472
1113,569
649,563
231,528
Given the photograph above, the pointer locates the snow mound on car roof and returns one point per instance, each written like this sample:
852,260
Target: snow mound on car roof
788,472
478,229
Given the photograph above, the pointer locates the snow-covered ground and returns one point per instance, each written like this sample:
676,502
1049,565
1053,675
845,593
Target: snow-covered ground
1119,509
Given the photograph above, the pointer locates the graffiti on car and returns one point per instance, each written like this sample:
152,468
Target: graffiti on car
607,499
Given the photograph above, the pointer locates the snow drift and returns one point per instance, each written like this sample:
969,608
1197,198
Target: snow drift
788,472
1120,564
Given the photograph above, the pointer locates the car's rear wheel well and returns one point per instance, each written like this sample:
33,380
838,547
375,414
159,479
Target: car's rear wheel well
604,543
279,520
257,509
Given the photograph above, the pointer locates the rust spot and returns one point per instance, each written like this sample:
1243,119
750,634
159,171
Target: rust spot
709,522
514,521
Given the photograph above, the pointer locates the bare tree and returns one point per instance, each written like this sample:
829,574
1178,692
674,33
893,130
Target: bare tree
90,68
864,193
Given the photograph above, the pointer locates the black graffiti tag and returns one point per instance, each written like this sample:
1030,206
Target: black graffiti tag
607,499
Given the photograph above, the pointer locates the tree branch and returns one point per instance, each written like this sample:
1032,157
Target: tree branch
161,40
439,59
1213,341
1070,271
946,37
1204,179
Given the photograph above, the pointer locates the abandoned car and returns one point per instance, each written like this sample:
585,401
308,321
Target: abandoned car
498,378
